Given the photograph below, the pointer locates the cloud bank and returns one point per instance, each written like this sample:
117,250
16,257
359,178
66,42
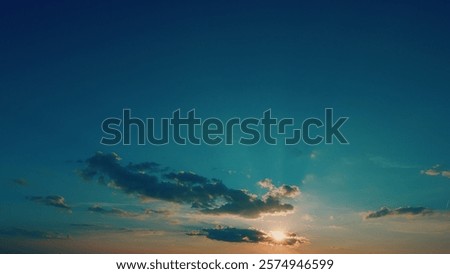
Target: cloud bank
208,196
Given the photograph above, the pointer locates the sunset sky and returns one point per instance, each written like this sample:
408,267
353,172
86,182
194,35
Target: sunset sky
68,65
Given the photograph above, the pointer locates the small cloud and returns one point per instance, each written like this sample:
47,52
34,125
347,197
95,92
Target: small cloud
51,200
430,172
250,235
385,211
283,191
436,170
266,183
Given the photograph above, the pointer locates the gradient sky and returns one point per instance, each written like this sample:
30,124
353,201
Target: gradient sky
68,65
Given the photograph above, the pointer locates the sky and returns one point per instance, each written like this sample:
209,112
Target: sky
66,66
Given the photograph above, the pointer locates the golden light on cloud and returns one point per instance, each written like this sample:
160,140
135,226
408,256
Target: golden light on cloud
278,236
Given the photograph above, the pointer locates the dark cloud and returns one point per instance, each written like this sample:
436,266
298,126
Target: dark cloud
52,200
384,211
186,177
209,196
249,235
246,205
31,234
150,167
20,181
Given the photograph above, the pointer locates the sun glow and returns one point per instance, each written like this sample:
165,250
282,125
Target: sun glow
278,236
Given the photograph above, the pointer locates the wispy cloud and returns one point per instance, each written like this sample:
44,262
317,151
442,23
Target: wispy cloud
385,211
113,211
209,196
101,228
97,208
32,234
249,235
51,200
387,163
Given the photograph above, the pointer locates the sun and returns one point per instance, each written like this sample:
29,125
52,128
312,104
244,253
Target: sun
278,236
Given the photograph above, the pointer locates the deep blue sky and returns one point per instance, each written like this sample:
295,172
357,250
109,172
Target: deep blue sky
68,65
